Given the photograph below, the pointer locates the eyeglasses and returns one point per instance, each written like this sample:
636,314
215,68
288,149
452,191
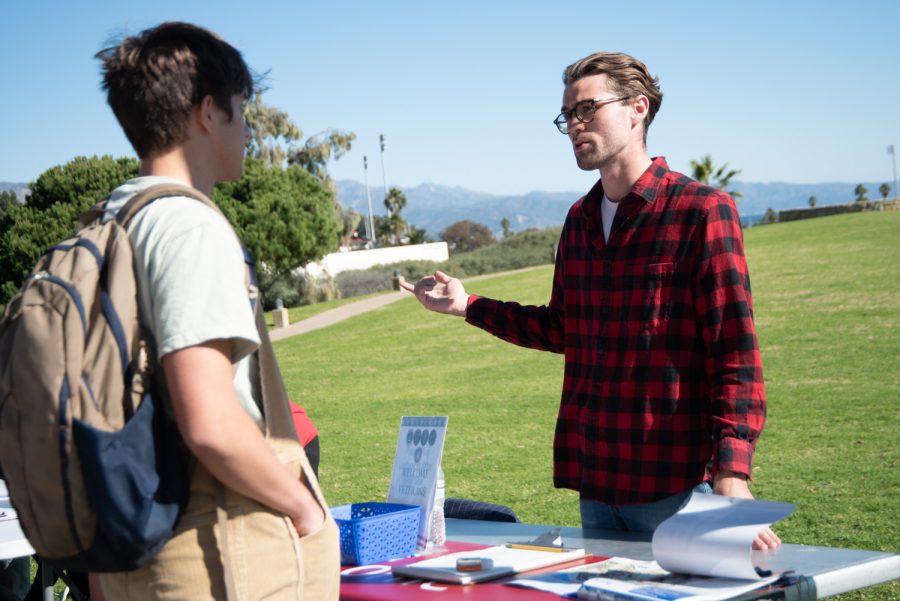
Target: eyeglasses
584,111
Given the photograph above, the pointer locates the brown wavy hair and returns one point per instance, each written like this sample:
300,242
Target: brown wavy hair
153,80
628,76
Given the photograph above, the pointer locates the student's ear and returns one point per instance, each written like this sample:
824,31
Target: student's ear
203,113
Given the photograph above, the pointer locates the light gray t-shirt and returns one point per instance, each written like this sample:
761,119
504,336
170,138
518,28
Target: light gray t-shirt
191,281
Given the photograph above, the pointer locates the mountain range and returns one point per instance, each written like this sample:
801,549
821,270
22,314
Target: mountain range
433,207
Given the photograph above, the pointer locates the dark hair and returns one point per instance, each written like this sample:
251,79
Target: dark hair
628,76
154,80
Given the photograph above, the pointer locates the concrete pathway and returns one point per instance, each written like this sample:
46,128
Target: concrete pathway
333,316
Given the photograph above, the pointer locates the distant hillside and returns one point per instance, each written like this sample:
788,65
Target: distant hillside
434,207
21,190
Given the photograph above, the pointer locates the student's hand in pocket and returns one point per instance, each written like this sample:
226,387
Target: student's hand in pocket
310,520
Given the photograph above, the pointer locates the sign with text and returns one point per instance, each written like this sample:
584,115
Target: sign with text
416,462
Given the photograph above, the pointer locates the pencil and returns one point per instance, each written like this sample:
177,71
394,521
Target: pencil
536,548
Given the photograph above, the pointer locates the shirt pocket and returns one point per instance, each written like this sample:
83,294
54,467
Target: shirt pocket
651,287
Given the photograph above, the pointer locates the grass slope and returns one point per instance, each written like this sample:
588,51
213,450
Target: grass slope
826,297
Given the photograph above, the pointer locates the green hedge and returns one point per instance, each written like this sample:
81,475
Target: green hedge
523,249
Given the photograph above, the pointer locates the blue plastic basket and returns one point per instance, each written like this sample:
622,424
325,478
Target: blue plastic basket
376,532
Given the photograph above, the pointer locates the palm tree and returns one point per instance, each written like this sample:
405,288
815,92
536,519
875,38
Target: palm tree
860,191
394,203
884,190
812,201
705,172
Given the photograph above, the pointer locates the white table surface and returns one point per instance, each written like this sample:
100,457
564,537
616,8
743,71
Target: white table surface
833,570
12,540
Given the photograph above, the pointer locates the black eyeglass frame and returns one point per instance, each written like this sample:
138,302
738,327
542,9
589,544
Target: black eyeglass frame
562,120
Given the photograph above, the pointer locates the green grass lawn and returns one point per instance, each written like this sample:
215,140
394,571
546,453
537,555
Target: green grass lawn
827,307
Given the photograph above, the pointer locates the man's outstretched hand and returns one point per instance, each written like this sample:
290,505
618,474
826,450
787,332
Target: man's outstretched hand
439,292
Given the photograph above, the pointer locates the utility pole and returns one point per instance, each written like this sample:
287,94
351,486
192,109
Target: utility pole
371,225
893,154
383,176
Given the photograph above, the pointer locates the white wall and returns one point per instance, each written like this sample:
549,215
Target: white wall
363,259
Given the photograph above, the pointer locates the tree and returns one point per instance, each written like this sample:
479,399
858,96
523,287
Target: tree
285,217
81,182
418,235
319,149
350,220
705,172
884,190
383,229
275,138
812,201
276,141
394,202
51,211
272,132
860,192
7,199
467,235
770,217
504,223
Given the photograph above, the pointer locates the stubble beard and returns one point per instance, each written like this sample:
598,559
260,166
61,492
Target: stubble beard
598,157
592,160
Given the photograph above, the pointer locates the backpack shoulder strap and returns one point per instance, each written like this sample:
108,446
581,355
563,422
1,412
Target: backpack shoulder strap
276,407
92,215
145,197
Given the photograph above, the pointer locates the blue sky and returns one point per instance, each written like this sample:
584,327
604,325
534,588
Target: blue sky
465,92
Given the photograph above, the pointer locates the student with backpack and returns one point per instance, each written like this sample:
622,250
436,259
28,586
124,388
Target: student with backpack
178,92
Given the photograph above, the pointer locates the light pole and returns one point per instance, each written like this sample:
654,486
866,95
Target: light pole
371,226
383,176
893,154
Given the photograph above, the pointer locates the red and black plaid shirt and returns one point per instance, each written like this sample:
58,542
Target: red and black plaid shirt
662,368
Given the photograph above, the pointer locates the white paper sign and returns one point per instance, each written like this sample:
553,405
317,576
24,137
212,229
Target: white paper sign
416,462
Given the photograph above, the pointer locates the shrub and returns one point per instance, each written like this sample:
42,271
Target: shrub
467,235
357,282
523,249
296,289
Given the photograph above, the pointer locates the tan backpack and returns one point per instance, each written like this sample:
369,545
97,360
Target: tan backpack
96,471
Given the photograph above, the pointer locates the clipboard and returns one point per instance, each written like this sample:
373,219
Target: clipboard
506,561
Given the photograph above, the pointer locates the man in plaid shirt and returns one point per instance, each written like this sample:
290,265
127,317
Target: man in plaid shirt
663,388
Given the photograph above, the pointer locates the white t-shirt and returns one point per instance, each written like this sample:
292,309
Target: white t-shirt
608,210
191,281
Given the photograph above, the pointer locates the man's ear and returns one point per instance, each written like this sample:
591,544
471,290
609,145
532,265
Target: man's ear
640,106
203,114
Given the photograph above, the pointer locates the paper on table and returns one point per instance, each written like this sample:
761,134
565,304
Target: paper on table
645,581
713,534
506,562
566,583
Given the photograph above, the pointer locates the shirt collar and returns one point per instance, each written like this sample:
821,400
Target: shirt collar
648,184
646,188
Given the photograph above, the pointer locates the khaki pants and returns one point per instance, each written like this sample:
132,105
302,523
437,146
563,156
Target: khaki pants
267,557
